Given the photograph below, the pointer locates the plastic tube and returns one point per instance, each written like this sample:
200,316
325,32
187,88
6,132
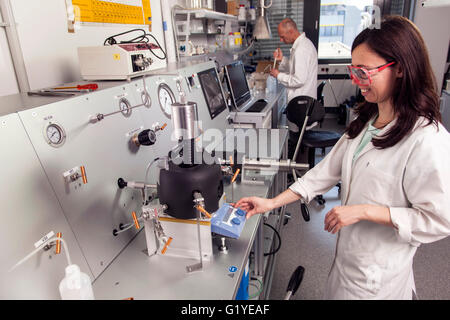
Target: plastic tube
128,226
69,262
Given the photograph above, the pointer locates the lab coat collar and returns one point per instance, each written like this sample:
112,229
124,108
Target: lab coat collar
348,158
298,40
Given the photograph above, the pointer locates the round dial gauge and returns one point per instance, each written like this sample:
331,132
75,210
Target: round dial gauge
146,100
54,134
166,98
125,107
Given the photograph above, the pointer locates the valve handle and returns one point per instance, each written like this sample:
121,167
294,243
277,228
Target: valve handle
135,220
83,174
235,175
163,251
200,208
58,243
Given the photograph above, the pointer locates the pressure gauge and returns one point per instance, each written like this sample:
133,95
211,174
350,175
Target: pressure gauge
146,100
166,98
125,107
54,134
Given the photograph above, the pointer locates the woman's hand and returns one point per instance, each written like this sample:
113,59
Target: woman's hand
342,216
254,205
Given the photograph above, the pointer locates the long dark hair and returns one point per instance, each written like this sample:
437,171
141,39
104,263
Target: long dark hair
414,94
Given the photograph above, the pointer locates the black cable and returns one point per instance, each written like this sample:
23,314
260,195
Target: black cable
111,40
279,240
139,39
157,43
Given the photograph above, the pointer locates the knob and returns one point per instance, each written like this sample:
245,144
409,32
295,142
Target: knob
236,221
240,213
122,183
146,138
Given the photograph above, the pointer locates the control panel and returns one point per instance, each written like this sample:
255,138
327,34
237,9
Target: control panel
228,221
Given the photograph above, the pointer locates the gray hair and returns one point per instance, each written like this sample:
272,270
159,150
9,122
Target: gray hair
288,23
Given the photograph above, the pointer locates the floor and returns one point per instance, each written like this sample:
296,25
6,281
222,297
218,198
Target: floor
307,244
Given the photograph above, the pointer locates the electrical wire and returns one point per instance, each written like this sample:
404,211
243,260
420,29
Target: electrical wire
53,239
260,289
279,241
111,40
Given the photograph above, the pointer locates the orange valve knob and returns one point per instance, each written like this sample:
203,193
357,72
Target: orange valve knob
235,175
135,220
83,174
163,126
204,211
58,243
163,251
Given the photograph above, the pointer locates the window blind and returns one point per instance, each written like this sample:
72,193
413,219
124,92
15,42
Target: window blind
397,7
279,10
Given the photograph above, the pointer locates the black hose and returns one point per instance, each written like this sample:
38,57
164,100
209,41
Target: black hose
279,240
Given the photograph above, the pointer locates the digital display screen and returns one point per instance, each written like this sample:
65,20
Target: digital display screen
212,91
237,83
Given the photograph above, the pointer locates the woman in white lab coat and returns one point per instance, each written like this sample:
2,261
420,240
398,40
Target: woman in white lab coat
394,164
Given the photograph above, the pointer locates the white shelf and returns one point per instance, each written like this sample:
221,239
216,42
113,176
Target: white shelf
205,13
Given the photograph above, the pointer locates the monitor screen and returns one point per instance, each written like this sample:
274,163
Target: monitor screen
237,83
212,91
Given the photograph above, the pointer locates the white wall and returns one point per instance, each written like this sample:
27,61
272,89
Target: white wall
434,24
49,50
8,82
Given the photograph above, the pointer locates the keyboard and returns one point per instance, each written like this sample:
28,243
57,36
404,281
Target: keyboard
258,106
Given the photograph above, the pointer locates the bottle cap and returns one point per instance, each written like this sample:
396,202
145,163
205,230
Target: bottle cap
72,269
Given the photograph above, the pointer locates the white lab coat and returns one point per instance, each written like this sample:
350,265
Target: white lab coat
298,73
412,178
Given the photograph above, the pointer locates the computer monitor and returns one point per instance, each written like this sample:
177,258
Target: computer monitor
212,90
237,83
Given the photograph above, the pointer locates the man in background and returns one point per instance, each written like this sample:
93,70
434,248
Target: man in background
298,73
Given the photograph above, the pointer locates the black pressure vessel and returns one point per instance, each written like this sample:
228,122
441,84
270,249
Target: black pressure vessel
177,185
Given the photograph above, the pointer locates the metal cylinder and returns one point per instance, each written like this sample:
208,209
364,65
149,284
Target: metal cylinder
184,120
271,165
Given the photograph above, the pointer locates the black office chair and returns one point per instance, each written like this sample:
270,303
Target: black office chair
321,97
296,112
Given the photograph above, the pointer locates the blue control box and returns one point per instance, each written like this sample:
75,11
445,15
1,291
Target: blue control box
228,221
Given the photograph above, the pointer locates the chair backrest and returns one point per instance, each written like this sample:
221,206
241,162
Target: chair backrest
297,108
320,91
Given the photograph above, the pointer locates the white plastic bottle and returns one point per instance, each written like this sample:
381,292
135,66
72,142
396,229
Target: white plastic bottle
252,12
76,285
242,16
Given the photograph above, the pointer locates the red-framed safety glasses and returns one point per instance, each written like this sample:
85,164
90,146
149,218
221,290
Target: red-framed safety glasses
362,76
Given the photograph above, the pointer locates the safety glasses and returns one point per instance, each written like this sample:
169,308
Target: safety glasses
362,76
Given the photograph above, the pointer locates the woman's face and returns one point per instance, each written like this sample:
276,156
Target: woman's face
380,89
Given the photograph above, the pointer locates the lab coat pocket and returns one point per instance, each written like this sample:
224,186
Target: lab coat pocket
376,186
364,273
